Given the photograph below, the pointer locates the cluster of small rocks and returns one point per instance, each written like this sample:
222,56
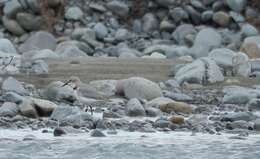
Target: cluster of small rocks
133,105
166,29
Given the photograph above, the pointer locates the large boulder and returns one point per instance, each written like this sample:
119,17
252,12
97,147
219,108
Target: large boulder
29,21
12,85
201,71
134,108
203,41
239,95
9,109
141,88
12,7
12,26
249,30
107,87
7,47
182,31
150,23
39,41
237,5
72,116
70,49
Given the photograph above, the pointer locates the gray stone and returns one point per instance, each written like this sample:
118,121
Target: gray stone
196,72
60,113
7,47
74,13
178,14
238,95
34,5
202,38
178,51
237,17
182,31
166,3
243,116
12,26
158,101
164,49
9,109
79,32
11,8
137,26
80,119
118,8
254,104
150,23
178,96
137,87
161,123
194,14
71,49
237,5
45,54
134,108
240,124
152,112
249,30
101,30
98,7
167,26
12,85
39,41
97,133
39,67
12,97
207,16
29,21
257,125
221,18
122,35
198,5
108,87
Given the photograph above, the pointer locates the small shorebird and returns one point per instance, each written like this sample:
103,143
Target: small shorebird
83,90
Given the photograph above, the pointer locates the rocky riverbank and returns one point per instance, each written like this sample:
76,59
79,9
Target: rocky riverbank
214,39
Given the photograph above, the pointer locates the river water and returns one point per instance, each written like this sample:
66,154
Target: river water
125,145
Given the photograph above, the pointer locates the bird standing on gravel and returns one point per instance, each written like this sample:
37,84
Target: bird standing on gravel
83,89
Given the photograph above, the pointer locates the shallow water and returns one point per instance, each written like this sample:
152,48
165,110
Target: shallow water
177,145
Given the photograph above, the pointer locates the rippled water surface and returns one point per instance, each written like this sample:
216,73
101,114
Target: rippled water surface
127,146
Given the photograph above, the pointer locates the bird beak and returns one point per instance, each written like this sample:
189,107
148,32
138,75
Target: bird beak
66,83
